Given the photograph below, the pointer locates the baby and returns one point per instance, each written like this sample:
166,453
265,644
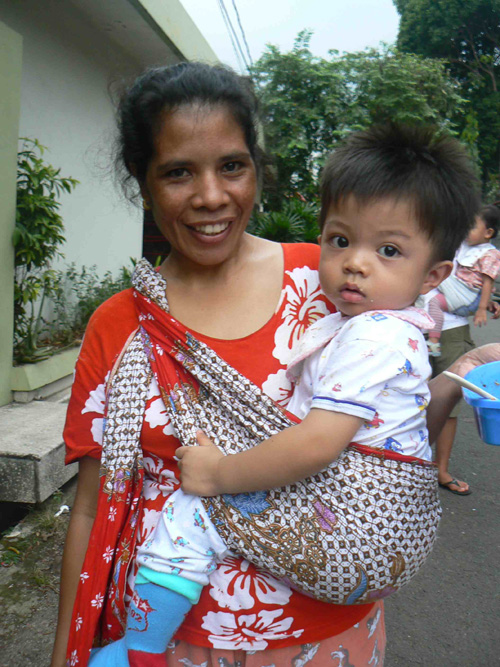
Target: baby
467,291
396,204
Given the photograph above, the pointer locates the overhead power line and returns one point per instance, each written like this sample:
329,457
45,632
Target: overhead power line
235,40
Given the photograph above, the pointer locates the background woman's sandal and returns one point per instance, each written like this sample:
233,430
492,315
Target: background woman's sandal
455,482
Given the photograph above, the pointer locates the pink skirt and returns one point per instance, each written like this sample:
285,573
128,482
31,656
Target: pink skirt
362,645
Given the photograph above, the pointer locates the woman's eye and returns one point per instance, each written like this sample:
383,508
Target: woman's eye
180,172
231,167
389,251
338,241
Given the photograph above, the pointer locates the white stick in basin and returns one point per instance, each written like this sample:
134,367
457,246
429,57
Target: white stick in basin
468,385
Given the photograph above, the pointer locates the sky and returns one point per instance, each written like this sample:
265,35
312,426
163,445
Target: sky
344,25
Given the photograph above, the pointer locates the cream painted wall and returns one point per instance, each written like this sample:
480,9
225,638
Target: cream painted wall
10,93
65,104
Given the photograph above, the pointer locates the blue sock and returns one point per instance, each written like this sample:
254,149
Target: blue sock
154,615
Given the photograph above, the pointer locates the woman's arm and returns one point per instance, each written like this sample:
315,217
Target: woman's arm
445,394
295,453
480,316
80,525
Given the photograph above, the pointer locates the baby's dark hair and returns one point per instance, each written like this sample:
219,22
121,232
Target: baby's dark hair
432,171
160,90
491,216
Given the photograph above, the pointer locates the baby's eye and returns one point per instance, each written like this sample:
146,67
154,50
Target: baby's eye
339,241
389,251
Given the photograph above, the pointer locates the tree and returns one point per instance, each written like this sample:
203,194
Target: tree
299,95
387,85
309,102
467,35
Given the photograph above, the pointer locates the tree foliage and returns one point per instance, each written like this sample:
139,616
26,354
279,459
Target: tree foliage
467,35
298,94
388,85
309,102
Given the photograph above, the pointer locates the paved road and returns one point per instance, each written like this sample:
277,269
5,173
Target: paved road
449,615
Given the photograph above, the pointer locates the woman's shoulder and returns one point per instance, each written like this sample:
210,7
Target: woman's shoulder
301,254
109,328
115,313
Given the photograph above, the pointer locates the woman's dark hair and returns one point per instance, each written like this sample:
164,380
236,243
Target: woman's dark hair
163,89
491,216
432,171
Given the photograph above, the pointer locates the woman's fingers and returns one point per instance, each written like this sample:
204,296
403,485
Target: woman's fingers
203,440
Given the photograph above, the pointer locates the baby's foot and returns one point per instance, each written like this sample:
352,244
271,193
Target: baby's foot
112,655
434,349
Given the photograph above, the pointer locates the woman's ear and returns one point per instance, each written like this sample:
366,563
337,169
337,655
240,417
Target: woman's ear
437,273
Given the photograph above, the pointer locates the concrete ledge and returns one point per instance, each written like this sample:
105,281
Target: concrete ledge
33,376
32,451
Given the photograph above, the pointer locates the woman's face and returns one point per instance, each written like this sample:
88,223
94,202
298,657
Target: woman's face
201,184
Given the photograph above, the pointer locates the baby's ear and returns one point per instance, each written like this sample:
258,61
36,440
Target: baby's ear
490,233
437,273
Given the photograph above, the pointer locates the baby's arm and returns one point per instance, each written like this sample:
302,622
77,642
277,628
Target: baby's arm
480,316
293,454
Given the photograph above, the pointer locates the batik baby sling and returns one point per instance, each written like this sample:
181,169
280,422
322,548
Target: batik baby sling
353,533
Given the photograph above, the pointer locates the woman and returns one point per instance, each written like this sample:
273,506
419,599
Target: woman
188,138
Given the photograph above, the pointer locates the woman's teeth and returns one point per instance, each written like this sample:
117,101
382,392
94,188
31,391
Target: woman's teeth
212,230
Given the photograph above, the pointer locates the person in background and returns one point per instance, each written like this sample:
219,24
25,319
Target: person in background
468,290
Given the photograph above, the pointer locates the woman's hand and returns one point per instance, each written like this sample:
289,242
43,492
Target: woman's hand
199,467
477,357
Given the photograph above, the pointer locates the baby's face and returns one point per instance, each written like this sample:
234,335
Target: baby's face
375,257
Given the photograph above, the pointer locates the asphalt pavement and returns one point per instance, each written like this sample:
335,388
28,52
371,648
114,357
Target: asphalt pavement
449,614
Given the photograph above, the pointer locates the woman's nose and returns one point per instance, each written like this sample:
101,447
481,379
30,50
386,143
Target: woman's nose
210,192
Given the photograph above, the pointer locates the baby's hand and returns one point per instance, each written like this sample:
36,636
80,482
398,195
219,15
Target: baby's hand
199,467
480,317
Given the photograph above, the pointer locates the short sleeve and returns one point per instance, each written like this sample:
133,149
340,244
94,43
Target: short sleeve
353,374
107,332
489,263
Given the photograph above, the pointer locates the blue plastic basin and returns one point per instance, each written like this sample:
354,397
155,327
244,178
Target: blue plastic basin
486,411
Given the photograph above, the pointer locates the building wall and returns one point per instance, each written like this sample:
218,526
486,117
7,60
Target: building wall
66,105
10,93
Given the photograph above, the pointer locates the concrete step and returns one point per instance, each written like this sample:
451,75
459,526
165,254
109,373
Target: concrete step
32,450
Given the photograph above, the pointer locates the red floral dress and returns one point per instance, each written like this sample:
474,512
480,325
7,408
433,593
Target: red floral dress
242,609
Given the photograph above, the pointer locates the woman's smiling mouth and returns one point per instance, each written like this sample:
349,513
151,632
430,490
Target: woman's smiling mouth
210,229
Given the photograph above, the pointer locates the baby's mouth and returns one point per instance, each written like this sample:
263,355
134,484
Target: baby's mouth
351,293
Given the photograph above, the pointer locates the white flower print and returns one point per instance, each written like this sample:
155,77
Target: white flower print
157,479
149,521
156,413
247,631
73,659
97,601
278,387
79,622
112,514
303,306
84,576
108,554
234,588
95,403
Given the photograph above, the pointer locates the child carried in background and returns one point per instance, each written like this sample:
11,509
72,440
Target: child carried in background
396,204
467,291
